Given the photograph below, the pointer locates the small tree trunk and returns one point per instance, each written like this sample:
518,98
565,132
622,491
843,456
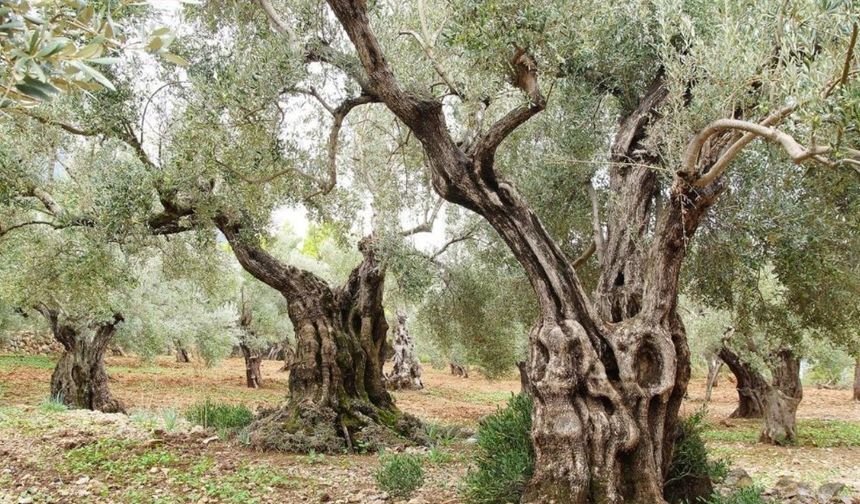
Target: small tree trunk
857,379
781,399
525,383
714,366
406,374
79,380
458,370
749,385
182,354
253,358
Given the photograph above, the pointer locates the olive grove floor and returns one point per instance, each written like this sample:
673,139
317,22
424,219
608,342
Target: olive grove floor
47,455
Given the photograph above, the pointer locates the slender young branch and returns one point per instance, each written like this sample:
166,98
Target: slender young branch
585,256
69,128
427,225
425,41
457,239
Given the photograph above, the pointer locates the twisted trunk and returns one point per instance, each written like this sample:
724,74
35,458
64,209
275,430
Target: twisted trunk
777,400
406,374
337,394
748,380
79,379
780,400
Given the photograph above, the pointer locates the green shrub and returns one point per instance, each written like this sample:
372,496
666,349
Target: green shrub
749,495
690,457
505,458
399,474
220,416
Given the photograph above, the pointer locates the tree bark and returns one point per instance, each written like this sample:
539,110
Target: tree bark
253,358
781,399
748,381
857,379
252,355
182,354
79,379
458,370
406,374
337,394
715,364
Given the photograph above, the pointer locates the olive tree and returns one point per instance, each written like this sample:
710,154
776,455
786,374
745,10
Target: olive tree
608,371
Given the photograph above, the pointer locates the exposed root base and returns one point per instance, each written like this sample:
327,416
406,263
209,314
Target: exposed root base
306,427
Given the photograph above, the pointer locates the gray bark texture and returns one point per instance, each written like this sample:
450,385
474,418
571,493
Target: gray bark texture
746,381
406,373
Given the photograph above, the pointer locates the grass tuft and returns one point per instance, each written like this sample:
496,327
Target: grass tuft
400,474
220,416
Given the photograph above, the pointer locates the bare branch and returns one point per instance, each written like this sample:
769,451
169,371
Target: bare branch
846,67
796,151
457,239
279,25
339,114
6,229
47,200
722,163
427,225
425,41
70,128
525,78
585,256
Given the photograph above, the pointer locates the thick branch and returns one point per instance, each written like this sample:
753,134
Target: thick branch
796,151
339,114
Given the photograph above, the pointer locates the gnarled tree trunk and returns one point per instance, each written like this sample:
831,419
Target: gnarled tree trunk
748,382
406,374
253,358
776,401
79,379
337,394
250,353
781,399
